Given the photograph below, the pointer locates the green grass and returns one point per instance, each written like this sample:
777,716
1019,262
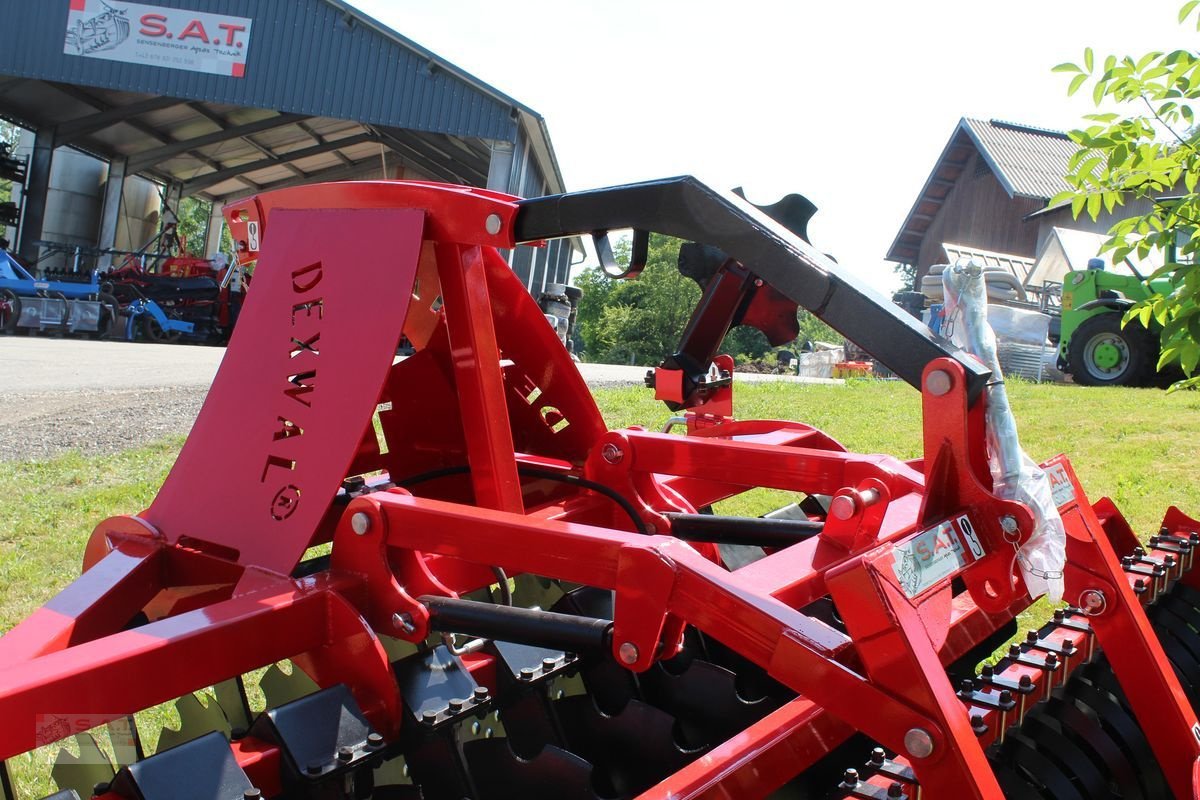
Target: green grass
1133,445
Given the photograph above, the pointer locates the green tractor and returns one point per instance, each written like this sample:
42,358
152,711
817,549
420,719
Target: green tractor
1093,346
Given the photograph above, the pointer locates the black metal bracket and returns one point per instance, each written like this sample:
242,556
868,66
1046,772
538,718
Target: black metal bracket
685,208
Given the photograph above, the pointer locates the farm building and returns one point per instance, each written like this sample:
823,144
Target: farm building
217,99
988,195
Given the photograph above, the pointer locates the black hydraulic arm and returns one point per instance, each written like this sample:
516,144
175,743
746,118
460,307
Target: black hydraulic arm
686,208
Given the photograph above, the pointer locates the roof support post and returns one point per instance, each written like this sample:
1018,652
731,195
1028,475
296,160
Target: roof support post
499,177
110,216
37,190
216,226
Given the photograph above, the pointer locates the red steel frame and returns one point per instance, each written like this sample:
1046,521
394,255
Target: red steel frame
289,417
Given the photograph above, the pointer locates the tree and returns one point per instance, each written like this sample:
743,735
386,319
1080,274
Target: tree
640,321
1150,151
636,321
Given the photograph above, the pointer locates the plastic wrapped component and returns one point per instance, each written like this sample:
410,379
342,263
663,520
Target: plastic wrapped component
1015,476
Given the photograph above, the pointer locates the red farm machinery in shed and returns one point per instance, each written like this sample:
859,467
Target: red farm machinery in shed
483,592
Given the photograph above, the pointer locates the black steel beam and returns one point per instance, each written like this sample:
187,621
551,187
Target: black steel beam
75,129
213,178
149,158
331,174
686,208
419,158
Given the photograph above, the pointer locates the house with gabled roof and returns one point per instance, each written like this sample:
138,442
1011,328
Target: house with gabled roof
990,191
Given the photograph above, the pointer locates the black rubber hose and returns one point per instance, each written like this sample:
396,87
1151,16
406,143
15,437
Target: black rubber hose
528,626
544,474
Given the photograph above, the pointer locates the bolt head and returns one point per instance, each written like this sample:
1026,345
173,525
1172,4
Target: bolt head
628,652
360,523
938,383
918,743
374,740
345,754
611,453
492,224
843,507
403,622
1008,524
1092,601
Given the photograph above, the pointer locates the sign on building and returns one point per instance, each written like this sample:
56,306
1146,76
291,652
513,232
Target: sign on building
161,37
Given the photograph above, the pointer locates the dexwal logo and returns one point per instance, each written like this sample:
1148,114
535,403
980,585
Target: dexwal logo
161,37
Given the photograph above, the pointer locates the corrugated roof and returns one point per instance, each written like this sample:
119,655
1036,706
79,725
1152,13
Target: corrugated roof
311,57
1029,161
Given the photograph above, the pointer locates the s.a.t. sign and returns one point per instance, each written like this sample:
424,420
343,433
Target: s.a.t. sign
161,37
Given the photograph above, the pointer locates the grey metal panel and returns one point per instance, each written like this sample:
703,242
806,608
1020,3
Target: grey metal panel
539,272
303,58
522,263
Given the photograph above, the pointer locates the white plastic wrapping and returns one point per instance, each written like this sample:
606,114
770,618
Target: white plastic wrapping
1015,476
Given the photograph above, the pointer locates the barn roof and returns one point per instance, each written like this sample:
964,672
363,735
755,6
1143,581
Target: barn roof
1029,162
323,90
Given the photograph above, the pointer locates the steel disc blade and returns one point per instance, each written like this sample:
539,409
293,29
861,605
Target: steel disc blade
501,775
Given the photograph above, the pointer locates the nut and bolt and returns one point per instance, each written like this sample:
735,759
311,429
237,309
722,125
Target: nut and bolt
456,704
850,778
611,453
895,789
628,652
918,742
938,383
314,768
429,717
527,674
374,740
549,664
480,694
252,794
1092,602
492,224
345,754
403,622
360,523
1008,524
878,756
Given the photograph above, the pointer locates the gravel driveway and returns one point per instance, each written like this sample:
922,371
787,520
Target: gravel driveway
58,395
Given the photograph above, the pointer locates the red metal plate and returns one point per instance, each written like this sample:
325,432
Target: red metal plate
298,385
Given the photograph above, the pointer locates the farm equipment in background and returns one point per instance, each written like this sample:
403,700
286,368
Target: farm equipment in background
1095,348
168,295
484,592
58,302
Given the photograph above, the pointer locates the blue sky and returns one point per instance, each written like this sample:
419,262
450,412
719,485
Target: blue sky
847,103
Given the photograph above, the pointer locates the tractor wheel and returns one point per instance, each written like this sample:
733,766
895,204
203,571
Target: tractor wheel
155,333
9,319
1102,353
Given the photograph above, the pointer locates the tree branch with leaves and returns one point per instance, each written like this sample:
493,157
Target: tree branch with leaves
1148,150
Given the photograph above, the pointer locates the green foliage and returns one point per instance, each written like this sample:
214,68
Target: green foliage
1150,151
908,272
11,135
636,321
640,321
